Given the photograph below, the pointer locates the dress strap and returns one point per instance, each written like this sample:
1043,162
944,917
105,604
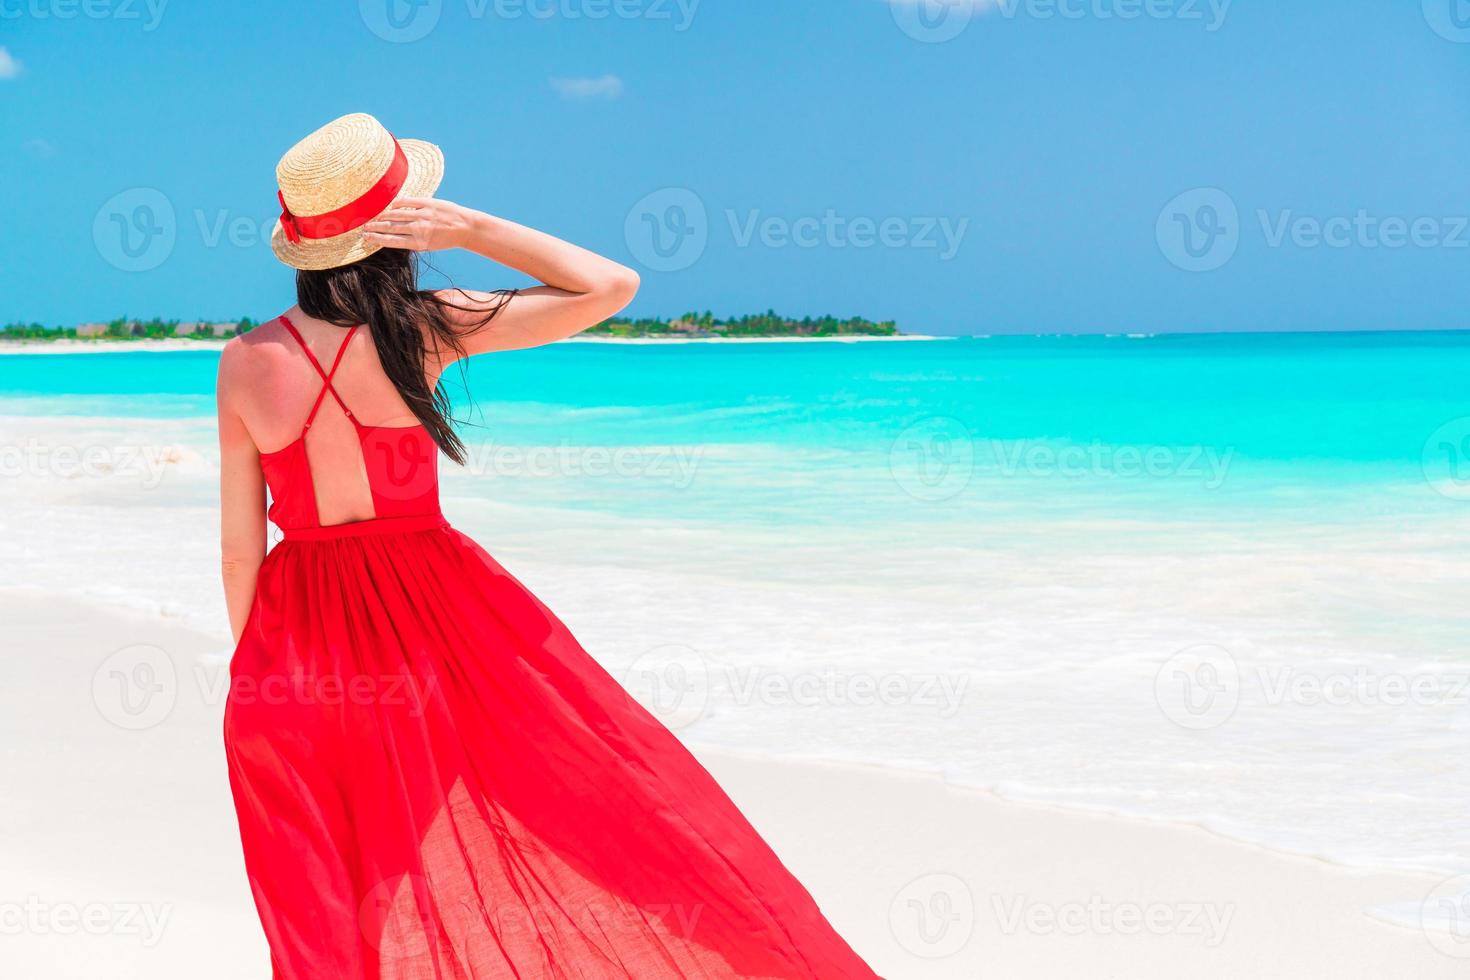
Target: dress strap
325,375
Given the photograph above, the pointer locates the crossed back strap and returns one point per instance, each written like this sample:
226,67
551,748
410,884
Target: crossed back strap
325,375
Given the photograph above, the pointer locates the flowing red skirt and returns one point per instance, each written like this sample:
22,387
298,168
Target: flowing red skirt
434,780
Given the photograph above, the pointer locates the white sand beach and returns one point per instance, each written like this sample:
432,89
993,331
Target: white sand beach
122,861
1044,508
70,346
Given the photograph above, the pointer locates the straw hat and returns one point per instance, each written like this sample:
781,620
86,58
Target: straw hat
338,179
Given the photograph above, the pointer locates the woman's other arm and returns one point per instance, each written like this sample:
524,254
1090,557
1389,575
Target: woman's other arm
241,497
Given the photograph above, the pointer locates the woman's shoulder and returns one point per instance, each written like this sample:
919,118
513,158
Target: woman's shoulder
251,353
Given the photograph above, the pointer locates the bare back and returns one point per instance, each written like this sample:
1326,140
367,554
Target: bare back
279,388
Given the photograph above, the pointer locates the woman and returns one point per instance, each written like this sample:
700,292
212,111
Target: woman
432,779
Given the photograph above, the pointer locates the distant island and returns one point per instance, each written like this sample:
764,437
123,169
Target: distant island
690,326
124,328
768,324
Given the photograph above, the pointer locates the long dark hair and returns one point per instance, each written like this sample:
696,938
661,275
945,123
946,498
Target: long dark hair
408,324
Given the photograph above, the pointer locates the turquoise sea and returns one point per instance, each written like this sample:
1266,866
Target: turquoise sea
1251,417
1218,579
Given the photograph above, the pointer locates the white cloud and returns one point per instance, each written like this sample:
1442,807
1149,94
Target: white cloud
39,147
9,67
606,87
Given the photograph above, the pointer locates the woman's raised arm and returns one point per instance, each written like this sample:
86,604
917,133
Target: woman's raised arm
581,288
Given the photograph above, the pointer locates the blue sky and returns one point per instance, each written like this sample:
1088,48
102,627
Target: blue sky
1011,166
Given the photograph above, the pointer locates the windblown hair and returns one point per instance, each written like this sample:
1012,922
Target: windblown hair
408,325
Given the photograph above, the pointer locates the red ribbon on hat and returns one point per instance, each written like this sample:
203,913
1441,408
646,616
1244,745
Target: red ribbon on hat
354,214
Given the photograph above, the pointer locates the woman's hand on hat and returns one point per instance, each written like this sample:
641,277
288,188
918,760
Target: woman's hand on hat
420,224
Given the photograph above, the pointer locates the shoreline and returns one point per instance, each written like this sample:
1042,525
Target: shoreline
1031,890
854,339
79,346
69,346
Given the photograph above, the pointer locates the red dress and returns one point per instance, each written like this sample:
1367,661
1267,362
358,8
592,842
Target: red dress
433,780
